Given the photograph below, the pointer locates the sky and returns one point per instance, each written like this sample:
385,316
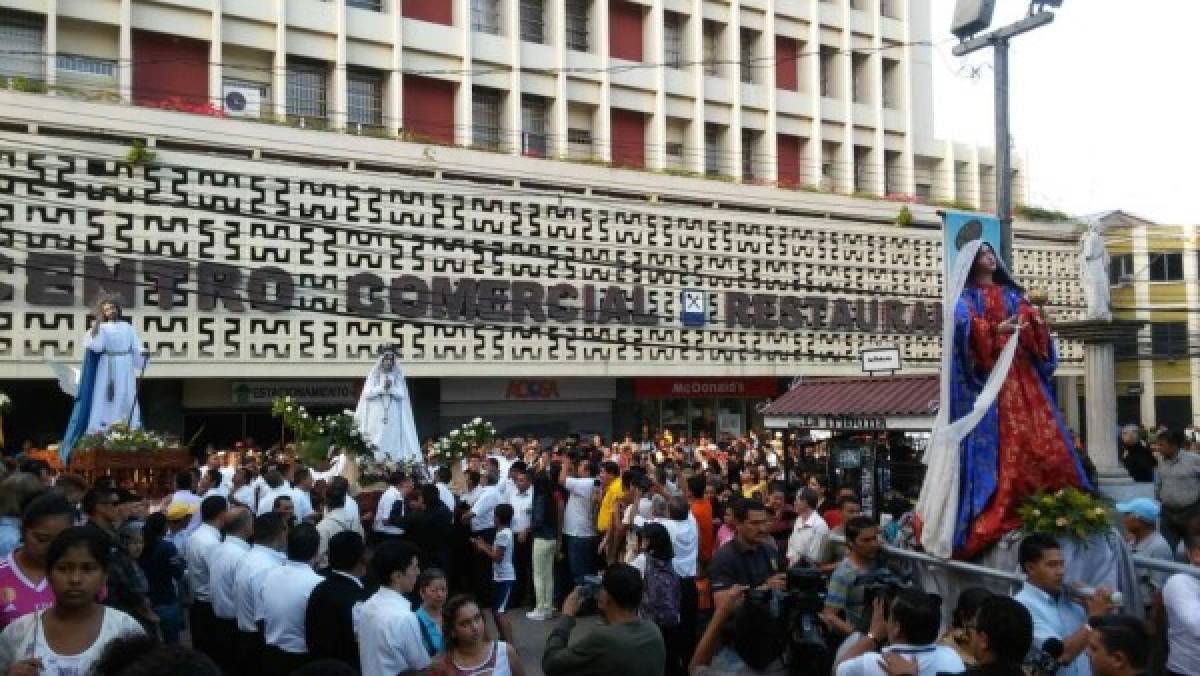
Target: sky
1105,103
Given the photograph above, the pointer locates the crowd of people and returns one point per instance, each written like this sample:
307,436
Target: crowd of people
687,553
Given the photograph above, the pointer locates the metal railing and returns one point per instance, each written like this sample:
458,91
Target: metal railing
1014,577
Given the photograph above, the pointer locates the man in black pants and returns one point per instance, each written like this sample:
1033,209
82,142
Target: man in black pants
200,546
329,617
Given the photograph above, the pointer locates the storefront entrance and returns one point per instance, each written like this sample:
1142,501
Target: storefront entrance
689,408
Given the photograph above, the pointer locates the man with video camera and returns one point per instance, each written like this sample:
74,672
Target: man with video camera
908,624
845,606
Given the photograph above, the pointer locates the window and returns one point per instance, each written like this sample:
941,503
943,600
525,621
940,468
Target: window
364,95
712,48
485,16
675,151
890,8
749,153
673,39
712,150
87,65
1126,349
533,21
23,37
861,167
924,192
1166,267
747,57
858,4
579,142
828,71
533,125
306,89
576,19
1120,269
891,84
860,72
485,118
373,5
1169,339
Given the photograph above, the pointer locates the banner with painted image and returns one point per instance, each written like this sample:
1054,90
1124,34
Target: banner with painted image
960,227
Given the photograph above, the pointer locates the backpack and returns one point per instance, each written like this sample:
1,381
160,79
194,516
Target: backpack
660,599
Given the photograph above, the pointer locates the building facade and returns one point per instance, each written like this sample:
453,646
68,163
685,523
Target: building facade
1154,276
832,95
279,188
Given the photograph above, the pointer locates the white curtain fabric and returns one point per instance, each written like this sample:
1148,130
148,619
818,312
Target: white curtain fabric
938,504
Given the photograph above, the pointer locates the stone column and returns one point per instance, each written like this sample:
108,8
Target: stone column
1098,337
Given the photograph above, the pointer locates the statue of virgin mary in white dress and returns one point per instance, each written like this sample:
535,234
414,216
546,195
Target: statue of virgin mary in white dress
384,413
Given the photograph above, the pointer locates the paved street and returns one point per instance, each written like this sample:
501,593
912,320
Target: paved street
530,638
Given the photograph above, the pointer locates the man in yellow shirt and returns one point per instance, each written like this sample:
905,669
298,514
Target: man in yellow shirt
610,482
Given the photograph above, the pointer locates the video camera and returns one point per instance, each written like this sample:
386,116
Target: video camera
881,583
803,636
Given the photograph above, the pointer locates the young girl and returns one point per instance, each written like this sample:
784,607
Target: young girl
70,635
469,650
23,572
727,530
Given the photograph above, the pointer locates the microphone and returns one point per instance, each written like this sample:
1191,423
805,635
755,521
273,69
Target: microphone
1053,647
1085,593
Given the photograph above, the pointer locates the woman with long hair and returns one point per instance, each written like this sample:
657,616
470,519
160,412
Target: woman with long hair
70,635
431,587
163,566
23,571
469,649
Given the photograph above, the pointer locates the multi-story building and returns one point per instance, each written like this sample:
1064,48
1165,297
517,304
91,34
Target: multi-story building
833,95
279,187
1154,277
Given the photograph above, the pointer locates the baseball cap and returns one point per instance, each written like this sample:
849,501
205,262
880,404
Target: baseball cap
180,510
1143,508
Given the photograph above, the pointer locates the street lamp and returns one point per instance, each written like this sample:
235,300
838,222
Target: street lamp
971,17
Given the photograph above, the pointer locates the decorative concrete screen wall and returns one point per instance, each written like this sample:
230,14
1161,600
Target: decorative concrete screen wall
236,268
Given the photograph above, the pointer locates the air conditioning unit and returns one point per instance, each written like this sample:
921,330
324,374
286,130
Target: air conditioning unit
242,100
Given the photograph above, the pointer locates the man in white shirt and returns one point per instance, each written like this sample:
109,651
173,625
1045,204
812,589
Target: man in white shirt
285,592
301,494
521,500
579,528
274,486
223,569
267,553
389,634
808,531
401,484
443,485
1181,597
911,633
200,545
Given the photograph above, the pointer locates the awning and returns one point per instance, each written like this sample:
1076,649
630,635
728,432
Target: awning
858,403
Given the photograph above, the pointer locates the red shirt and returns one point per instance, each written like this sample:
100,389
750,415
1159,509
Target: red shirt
702,511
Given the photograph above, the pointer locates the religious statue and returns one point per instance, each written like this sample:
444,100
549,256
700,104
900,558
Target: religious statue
1093,273
107,388
998,437
384,413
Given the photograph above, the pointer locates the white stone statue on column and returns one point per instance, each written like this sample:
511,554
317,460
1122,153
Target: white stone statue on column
1093,274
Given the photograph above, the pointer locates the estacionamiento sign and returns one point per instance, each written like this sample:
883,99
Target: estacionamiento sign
308,392
51,282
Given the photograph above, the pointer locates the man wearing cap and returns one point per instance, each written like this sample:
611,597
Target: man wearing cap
1140,519
179,516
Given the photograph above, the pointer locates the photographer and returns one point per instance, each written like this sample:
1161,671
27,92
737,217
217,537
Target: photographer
844,607
750,559
734,641
909,624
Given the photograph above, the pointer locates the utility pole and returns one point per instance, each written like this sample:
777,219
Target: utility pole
998,40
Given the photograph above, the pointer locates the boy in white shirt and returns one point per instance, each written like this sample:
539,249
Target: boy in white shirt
504,576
